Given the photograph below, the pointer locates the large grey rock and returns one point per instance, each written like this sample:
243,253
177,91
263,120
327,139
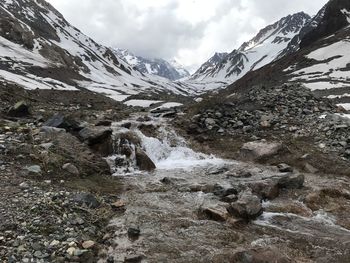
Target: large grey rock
258,150
98,138
20,109
63,122
143,161
291,181
87,199
248,206
71,168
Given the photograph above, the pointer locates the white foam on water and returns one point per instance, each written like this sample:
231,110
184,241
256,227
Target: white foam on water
171,152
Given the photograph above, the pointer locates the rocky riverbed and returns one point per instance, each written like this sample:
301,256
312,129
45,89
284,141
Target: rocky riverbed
167,202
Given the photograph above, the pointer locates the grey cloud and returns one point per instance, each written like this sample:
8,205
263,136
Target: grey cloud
160,32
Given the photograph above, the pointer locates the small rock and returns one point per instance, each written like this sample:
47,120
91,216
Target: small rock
20,109
284,168
70,168
88,199
34,169
55,243
24,186
88,244
248,206
216,213
310,169
134,232
133,259
257,150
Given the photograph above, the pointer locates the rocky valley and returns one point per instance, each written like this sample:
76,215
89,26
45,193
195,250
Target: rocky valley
110,157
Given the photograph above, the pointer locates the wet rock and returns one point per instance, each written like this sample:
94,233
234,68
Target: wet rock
216,213
51,130
87,199
230,198
224,190
134,233
143,161
291,181
133,259
98,138
258,150
248,206
284,168
62,122
266,189
129,138
70,168
20,109
106,123
310,169
263,255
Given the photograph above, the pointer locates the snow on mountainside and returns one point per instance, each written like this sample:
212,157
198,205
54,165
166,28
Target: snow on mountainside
263,49
321,64
40,49
159,67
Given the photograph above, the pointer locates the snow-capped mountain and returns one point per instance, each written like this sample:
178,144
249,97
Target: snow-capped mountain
210,65
171,70
264,48
40,49
320,63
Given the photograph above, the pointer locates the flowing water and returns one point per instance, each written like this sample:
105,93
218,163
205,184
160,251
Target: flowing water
165,205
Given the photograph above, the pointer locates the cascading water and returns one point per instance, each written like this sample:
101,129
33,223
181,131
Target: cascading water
166,149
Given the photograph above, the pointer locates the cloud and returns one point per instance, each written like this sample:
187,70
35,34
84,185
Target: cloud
189,30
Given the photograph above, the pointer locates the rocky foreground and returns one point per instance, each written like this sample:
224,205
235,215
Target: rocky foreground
308,126
59,202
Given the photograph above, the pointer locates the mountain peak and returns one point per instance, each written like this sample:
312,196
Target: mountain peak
171,70
334,16
265,47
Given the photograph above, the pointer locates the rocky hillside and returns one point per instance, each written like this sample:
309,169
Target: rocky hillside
159,67
321,66
40,49
268,45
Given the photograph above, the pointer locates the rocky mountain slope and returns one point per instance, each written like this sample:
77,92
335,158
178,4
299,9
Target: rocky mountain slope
40,49
159,67
322,65
268,45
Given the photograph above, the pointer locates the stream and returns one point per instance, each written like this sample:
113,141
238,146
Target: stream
164,219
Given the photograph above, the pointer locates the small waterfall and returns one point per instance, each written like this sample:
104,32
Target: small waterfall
164,147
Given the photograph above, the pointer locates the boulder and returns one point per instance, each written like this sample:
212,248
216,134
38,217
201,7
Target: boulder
284,168
98,138
247,207
63,122
143,161
291,181
87,199
20,109
261,255
265,189
258,150
216,213
71,168
224,190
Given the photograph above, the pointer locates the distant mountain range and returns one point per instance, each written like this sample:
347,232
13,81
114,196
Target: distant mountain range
171,70
40,49
271,43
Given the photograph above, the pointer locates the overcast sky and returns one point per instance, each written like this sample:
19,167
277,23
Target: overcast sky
190,31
